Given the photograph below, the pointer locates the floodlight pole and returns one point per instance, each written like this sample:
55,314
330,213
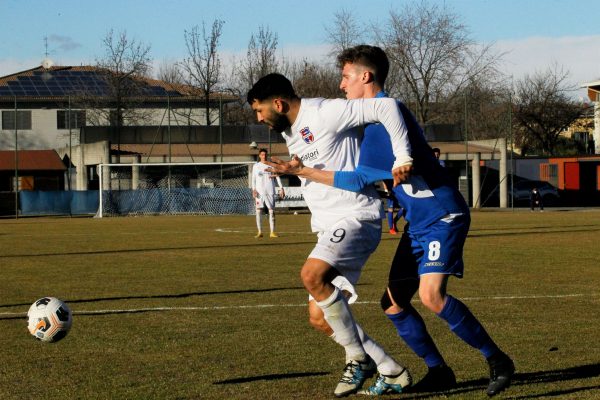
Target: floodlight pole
466,150
169,136
16,164
70,146
221,131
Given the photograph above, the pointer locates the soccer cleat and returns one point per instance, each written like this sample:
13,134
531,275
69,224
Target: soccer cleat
393,231
273,235
388,384
502,369
258,235
437,379
355,374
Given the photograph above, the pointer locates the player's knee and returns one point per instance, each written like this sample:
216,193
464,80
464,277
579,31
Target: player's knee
319,324
310,278
402,292
432,299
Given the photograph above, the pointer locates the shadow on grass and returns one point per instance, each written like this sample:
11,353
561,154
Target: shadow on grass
164,296
260,244
271,377
527,378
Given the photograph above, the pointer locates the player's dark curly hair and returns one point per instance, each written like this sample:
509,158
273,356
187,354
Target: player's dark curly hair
372,57
270,86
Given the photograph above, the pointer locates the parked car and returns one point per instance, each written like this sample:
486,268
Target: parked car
522,191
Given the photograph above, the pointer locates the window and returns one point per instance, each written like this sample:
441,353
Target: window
77,119
23,120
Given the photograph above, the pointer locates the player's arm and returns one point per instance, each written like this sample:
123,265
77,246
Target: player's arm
254,192
280,186
349,180
345,114
386,111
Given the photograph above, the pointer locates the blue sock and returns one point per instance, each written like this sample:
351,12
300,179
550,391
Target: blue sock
411,328
397,217
390,220
464,324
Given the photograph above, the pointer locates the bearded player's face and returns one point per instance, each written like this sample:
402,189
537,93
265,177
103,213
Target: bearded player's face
266,114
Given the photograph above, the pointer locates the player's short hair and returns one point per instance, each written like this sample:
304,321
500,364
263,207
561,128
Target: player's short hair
271,86
263,151
371,57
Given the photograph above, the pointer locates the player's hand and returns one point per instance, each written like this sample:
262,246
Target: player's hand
279,167
401,174
282,194
254,193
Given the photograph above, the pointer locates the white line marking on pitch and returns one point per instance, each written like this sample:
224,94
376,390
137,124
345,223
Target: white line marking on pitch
212,308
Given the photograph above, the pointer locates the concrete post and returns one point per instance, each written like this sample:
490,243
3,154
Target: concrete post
503,175
597,127
476,176
105,184
82,173
135,174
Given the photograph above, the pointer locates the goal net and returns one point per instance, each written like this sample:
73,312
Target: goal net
175,188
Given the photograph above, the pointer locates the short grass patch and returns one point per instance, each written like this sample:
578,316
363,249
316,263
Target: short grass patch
196,308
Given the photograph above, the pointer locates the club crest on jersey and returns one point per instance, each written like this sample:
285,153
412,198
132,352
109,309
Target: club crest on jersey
307,135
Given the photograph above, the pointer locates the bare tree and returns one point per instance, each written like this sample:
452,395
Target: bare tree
123,68
543,109
169,72
434,55
202,66
315,80
260,57
344,31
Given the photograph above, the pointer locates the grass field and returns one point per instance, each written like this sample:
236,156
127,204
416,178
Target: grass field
196,308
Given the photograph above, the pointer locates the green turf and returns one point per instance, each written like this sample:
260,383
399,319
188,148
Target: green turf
236,324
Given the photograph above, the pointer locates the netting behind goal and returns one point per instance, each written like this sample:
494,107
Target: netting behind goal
183,188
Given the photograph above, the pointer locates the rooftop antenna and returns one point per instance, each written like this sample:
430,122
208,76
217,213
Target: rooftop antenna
47,63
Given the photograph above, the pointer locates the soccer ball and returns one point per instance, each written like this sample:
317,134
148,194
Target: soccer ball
49,319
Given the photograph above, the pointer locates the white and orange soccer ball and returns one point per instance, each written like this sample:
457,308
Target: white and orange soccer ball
49,319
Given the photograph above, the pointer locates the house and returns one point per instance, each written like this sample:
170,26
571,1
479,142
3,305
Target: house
49,107
36,170
594,95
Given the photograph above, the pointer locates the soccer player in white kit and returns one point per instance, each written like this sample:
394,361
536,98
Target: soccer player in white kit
348,224
263,191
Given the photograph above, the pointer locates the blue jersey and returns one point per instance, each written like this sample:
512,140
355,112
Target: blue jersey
427,196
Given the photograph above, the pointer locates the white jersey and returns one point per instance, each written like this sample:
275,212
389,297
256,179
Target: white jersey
262,180
322,137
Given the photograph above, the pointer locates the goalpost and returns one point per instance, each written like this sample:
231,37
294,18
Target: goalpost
175,188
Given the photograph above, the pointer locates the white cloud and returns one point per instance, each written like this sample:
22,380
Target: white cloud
579,55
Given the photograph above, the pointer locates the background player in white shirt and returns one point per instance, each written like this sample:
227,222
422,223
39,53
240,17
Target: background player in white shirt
263,191
348,224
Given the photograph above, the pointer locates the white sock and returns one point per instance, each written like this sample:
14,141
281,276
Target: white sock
272,220
338,316
386,365
259,219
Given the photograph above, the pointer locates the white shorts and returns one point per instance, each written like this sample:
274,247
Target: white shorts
265,200
347,247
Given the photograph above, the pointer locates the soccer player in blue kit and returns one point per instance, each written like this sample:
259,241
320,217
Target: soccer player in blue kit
431,247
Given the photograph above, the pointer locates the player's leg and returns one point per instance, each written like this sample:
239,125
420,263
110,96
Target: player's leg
270,205
393,377
347,246
398,216
396,302
259,207
338,316
444,248
390,217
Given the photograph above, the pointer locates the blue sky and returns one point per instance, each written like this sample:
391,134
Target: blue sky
534,33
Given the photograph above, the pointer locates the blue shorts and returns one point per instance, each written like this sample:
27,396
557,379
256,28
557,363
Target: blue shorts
437,249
